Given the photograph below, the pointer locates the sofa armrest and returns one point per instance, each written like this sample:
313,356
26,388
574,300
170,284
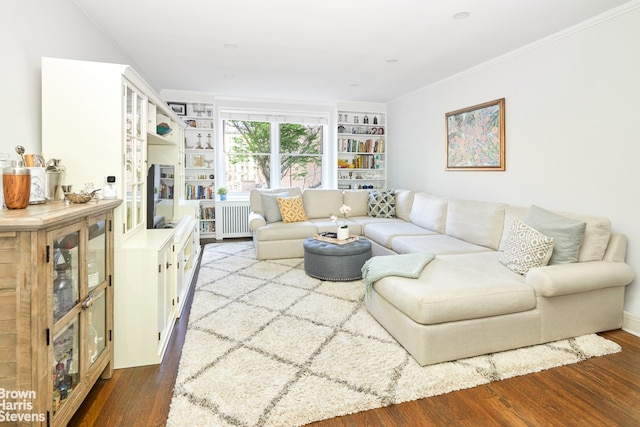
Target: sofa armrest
256,221
565,279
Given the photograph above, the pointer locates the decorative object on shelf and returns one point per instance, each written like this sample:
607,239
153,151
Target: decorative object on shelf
179,108
485,150
199,146
365,120
209,146
81,197
375,120
199,108
16,185
208,162
163,129
342,229
356,120
191,123
222,192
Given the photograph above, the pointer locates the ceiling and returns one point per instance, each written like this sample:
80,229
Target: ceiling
323,51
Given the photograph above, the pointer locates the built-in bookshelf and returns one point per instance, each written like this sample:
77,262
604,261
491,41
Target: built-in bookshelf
361,149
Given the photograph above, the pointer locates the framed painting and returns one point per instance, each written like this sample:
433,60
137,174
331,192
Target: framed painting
476,138
179,108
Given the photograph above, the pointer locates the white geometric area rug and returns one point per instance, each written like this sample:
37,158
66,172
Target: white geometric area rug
267,345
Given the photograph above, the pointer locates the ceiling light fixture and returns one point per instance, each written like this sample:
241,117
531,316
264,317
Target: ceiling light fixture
392,61
462,14
355,84
230,45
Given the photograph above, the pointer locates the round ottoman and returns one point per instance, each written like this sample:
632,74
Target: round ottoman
328,261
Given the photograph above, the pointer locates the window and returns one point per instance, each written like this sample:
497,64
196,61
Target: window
273,151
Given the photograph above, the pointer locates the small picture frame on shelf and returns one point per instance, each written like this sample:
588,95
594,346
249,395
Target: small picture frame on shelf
191,123
179,108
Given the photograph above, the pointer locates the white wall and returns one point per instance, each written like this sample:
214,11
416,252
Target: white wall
572,134
29,30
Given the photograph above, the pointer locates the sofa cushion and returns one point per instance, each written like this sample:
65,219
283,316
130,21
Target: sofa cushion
510,213
255,196
476,222
357,200
596,236
322,203
291,209
384,232
404,203
567,233
281,231
527,248
438,244
429,212
459,287
270,206
382,204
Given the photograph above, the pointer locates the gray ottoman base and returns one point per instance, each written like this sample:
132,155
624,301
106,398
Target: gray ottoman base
328,261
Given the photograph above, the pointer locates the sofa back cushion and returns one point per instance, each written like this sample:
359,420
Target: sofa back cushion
429,212
596,236
357,200
322,203
404,202
475,222
255,196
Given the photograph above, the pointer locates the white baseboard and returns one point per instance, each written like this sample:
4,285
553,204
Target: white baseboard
631,324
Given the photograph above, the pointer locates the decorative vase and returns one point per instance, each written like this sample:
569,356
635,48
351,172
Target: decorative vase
343,232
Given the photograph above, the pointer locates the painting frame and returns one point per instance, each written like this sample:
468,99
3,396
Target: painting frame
178,107
475,138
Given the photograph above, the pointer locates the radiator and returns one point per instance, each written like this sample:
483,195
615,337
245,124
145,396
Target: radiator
233,220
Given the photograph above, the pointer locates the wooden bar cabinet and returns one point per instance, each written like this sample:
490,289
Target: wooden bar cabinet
56,308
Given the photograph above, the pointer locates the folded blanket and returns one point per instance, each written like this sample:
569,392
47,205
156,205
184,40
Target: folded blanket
404,265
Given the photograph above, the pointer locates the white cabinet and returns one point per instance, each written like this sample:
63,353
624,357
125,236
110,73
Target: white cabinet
146,303
361,149
103,119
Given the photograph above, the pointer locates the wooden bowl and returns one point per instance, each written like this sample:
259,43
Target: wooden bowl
78,197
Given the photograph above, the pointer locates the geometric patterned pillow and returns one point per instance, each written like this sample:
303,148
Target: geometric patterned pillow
291,209
382,204
526,248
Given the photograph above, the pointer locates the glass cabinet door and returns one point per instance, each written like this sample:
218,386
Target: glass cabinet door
65,367
96,326
96,254
135,135
66,284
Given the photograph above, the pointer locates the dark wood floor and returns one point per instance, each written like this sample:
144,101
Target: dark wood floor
603,391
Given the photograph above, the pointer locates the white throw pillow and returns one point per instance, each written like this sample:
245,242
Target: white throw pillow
526,248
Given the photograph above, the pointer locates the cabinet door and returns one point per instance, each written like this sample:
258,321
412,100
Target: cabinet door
65,273
96,298
165,294
135,137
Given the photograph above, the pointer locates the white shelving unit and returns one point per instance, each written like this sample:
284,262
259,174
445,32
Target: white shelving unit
361,149
200,161
110,126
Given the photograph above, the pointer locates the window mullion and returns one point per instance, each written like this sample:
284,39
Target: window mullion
275,155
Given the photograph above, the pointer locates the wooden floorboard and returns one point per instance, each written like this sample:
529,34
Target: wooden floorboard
602,391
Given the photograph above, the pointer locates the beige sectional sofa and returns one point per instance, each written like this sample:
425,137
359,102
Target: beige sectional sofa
469,300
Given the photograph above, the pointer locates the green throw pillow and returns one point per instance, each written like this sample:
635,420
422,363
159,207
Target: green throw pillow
567,233
270,206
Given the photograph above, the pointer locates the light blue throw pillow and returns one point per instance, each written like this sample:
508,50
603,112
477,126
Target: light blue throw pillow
567,233
270,206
